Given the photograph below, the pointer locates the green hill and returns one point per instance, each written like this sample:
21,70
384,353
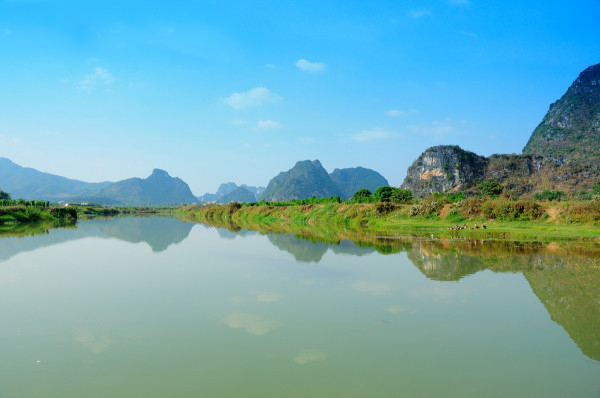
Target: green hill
570,131
159,189
240,194
352,179
304,180
31,184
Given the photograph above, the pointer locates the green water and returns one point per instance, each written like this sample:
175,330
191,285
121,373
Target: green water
153,307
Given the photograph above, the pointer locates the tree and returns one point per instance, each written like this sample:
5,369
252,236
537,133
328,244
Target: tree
402,195
4,195
491,187
362,195
383,194
596,188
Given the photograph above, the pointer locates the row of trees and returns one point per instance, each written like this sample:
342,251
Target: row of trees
383,194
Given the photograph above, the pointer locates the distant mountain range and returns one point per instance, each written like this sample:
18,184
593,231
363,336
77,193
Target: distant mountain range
563,152
309,178
230,192
304,180
159,189
28,183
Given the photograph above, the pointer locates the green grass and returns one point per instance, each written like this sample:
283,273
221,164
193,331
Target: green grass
370,220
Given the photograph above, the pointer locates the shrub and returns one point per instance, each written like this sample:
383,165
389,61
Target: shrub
232,207
549,195
402,196
491,187
361,195
383,194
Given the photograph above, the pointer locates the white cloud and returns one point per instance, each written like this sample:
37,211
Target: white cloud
416,14
264,297
371,135
395,113
271,66
310,66
377,289
6,140
100,77
307,356
255,97
268,124
239,122
95,344
307,139
252,324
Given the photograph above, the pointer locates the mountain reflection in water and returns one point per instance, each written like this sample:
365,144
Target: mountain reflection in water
566,279
157,232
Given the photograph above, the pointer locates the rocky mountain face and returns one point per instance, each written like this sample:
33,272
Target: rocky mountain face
304,180
31,184
352,179
159,189
563,152
570,131
443,168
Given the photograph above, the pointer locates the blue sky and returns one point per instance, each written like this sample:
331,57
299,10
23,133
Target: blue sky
217,91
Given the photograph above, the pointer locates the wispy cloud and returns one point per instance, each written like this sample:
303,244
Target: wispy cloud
268,124
306,356
252,324
417,14
307,139
93,343
265,297
371,135
6,140
375,288
5,32
395,113
307,66
239,122
100,77
256,97
271,66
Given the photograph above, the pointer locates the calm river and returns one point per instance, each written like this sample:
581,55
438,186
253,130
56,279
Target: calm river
154,307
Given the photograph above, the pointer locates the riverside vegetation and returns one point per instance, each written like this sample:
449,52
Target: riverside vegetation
16,213
393,211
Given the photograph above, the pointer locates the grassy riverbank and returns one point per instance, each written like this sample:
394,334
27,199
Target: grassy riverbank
531,221
15,217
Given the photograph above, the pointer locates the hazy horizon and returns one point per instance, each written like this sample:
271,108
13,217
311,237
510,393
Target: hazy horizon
234,91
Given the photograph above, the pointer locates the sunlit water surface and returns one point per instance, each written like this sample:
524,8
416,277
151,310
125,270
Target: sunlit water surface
153,307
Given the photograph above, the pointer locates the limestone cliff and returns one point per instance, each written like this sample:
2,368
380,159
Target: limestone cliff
444,168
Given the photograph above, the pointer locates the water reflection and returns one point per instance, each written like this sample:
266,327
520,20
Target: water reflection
565,277
157,232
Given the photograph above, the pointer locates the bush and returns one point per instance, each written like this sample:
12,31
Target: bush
402,196
549,195
232,207
362,196
491,187
383,194
596,188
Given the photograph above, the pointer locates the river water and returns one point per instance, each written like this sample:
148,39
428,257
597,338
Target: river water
155,307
